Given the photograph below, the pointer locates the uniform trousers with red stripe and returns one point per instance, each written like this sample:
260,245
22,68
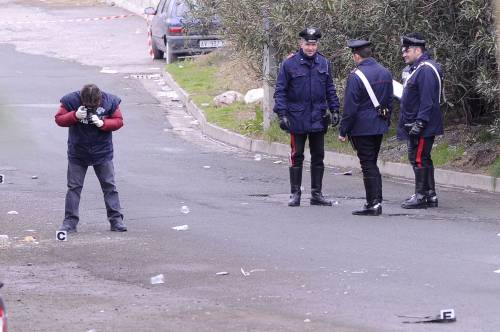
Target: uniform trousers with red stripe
419,151
316,146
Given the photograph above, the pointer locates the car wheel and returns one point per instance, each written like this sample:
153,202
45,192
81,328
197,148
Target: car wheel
169,55
157,53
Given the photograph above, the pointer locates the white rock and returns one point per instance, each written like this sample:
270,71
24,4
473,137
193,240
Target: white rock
227,98
254,95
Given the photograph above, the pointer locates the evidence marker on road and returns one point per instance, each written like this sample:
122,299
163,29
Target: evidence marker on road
62,236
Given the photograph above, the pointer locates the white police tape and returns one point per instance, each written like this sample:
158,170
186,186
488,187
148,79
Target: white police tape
70,20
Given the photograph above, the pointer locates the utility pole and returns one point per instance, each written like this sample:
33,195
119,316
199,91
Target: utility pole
270,70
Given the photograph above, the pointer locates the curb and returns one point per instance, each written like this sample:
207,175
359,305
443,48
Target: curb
443,177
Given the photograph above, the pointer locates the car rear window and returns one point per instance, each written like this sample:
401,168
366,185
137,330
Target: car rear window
180,8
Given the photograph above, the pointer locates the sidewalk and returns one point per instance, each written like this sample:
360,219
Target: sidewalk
443,177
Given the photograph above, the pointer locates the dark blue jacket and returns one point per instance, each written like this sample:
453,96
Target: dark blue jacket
420,100
304,91
360,118
87,144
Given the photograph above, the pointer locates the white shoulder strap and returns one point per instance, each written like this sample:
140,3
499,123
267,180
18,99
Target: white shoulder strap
368,88
435,71
437,75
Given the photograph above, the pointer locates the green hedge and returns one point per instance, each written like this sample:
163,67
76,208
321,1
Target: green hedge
460,35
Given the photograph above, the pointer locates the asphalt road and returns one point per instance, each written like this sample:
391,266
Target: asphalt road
311,268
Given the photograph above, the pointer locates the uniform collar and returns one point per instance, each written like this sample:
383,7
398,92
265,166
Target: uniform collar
367,61
424,57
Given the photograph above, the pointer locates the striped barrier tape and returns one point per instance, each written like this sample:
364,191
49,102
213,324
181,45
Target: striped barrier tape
71,20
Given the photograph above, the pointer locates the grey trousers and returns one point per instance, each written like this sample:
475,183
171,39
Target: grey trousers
76,175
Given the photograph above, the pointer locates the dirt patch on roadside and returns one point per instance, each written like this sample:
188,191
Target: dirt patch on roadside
464,148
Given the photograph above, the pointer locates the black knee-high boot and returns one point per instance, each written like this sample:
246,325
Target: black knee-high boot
418,201
317,197
373,206
295,183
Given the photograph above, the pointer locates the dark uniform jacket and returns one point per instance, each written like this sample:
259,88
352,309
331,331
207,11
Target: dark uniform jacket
304,91
420,100
360,118
87,144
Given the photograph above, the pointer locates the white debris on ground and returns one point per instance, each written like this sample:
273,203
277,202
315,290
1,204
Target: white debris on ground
158,279
181,228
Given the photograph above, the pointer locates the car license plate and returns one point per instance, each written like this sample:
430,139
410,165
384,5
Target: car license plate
211,43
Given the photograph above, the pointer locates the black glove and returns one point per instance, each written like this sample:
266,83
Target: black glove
326,120
284,123
335,118
415,128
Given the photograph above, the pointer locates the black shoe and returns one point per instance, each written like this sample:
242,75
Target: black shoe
430,195
431,199
118,226
373,209
68,227
295,183
317,197
294,199
417,201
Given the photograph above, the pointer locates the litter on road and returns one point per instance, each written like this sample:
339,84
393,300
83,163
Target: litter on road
246,274
159,279
344,173
107,70
184,209
257,157
223,273
34,177
30,239
278,162
4,241
12,212
181,228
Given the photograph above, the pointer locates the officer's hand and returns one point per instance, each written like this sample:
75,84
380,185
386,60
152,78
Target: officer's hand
342,138
415,128
335,118
284,123
327,119
81,113
96,121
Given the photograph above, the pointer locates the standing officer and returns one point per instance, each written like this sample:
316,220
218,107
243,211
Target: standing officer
91,116
304,94
367,111
420,118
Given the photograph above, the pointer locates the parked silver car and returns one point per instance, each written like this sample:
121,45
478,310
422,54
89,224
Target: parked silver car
174,33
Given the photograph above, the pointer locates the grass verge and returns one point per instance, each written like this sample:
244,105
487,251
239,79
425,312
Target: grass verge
207,76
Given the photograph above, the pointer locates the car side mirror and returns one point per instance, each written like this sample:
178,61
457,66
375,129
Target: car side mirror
150,11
